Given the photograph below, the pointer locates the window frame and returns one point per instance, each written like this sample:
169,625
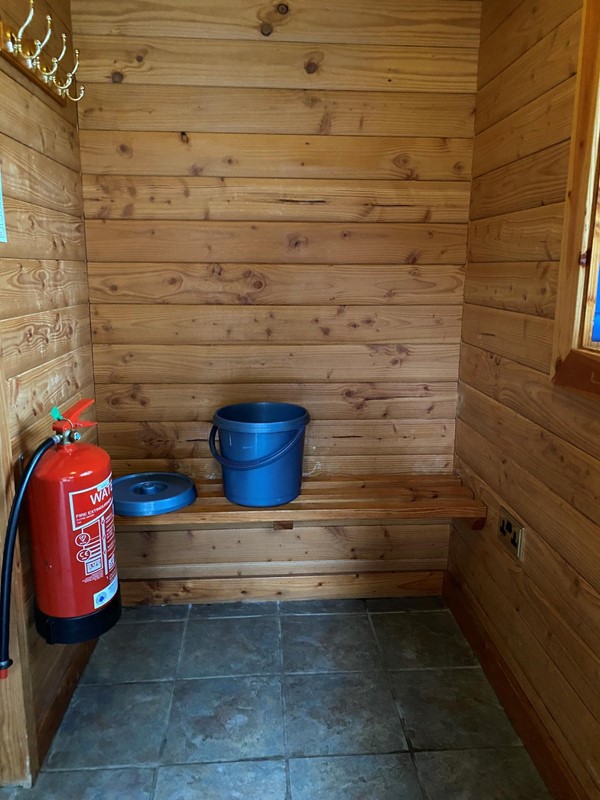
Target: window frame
575,364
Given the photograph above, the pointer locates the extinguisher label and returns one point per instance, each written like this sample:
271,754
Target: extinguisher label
94,539
88,505
102,597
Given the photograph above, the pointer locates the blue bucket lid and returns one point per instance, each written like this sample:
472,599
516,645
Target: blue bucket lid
144,494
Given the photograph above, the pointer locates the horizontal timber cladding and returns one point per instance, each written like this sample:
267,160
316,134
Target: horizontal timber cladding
527,183
40,232
280,65
33,392
526,338
131,440
274,199
200,469
190,324
35,178
437,23
274,155
518,135
292,111
283,587
533,234
526,286
521,32
530,394
40,126
523,444
275,284
115,363
492,16
273,242
156,402
276,208
29,285
170,553
33,339
546,60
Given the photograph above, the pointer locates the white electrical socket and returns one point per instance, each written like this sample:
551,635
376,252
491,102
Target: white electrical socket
512,533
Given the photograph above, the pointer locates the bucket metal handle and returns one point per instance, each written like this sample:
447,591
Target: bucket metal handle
258,462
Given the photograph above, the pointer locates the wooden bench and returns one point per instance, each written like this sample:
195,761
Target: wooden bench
343,537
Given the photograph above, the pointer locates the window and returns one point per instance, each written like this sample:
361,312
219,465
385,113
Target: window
591,319
577,327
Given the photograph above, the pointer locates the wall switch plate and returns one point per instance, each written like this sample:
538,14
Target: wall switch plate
512,533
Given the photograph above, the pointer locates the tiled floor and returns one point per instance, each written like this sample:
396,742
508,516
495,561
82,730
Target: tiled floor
338,700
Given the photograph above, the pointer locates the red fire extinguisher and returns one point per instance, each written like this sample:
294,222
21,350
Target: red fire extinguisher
68,485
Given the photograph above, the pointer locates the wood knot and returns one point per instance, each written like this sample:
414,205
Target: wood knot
282,8
117,77
296,242
266,29
311,67
184,137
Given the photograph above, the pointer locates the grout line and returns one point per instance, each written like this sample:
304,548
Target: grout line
251,759
154,782
411,751
288,784
170,709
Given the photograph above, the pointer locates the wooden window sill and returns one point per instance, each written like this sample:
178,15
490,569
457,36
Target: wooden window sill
581,371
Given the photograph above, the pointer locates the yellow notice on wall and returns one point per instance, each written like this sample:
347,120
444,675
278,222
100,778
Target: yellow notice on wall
3,237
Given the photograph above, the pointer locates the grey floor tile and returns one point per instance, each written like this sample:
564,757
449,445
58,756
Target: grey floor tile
148,651
341,714
225,719
322,607
104,784
451,709
246,780
328,643
480,774
378,777
169,613
242,646
7,793
241,609
386,604
413,641
120,725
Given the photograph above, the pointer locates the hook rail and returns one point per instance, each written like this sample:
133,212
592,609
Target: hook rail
32,57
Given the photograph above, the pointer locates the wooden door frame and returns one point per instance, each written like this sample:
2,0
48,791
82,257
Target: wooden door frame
573,366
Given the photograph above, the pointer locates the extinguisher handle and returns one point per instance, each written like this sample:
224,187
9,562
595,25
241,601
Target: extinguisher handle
70,419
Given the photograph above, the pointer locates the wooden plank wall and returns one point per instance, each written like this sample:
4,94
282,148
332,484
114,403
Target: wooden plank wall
520,443
276,206
44,335
276,203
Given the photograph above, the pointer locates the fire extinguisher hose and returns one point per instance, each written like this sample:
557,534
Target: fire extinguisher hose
9,551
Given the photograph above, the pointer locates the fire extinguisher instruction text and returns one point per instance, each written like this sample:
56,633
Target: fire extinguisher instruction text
94,536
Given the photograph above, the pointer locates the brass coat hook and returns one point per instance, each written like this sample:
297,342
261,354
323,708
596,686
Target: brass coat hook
33,59
48,74
62,88
15,43
36,62
79,94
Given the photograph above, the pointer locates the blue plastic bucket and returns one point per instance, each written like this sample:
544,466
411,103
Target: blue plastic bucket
262,445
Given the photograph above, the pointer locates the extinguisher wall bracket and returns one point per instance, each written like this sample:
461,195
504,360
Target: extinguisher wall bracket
66,423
